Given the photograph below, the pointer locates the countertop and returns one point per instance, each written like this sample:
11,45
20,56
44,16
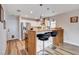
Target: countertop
47,30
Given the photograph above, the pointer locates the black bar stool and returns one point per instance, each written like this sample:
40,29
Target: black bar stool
53,33
43,37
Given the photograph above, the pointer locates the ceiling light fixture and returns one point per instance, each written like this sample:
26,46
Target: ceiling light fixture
41,5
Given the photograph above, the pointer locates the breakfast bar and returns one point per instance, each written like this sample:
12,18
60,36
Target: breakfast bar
34,45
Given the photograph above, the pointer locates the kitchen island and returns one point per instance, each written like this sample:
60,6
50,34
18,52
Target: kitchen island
34,45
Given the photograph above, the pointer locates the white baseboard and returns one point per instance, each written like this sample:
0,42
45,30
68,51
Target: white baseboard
72,43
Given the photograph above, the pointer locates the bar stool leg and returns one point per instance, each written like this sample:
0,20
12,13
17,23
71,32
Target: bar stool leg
44,52
43,47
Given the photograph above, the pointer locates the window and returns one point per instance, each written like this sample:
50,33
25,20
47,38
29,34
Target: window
52,23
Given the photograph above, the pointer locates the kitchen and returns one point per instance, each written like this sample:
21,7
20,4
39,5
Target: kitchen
24,23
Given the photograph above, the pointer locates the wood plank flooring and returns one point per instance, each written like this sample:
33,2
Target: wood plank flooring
66,49
15,47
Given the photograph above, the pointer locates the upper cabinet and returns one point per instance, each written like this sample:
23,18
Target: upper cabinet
1,13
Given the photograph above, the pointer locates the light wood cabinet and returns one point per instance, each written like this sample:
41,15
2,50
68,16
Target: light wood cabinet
58,40
30,43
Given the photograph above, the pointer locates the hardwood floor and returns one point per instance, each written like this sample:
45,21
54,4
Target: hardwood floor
65,49
16,47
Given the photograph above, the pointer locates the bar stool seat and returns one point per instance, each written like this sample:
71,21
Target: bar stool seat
53,33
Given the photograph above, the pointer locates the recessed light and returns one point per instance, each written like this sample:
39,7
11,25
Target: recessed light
18,10
31,12
48,8
41,4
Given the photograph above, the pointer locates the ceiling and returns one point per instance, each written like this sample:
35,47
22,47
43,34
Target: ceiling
35,10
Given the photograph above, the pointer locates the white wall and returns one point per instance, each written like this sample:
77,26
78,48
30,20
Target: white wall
2,39
71,30
12,26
